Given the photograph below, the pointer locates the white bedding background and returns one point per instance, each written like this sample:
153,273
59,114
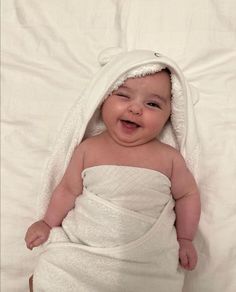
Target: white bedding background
49,51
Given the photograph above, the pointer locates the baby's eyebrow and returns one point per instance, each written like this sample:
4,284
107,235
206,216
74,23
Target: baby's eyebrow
123,86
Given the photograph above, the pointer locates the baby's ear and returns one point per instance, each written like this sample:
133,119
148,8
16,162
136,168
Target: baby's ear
109,53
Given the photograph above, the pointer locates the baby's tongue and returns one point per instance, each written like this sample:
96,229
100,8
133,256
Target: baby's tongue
130,125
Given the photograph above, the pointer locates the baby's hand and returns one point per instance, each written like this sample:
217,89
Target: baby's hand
37,234
187,254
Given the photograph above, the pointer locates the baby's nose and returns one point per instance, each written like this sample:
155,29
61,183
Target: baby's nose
135,109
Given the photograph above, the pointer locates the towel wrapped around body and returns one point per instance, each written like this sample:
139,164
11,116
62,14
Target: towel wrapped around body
119,236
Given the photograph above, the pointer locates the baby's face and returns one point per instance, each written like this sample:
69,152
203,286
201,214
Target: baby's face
137,111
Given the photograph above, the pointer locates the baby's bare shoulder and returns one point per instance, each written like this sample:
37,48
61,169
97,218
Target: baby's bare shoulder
89,142
173,156
169,150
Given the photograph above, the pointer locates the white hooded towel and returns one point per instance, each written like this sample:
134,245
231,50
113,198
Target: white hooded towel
106,244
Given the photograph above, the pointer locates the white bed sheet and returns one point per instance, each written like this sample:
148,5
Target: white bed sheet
49,53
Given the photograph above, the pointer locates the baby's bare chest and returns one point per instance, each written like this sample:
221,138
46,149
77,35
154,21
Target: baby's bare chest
144,157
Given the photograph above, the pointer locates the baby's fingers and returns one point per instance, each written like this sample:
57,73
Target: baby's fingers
183,258
192,261
33,239
37,242
188,260
29,240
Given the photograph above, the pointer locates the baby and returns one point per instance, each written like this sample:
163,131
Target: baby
134,116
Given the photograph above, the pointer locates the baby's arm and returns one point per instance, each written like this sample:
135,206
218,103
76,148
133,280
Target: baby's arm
62,201
187,208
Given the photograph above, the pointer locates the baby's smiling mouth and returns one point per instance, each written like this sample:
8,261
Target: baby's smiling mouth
130,124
